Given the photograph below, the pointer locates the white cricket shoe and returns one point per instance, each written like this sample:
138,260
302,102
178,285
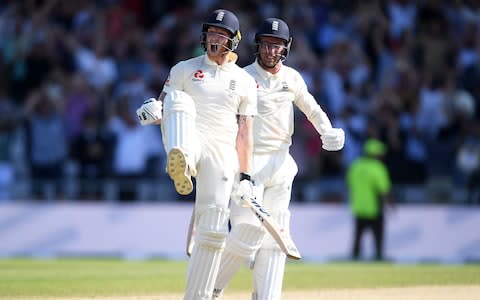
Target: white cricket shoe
177,169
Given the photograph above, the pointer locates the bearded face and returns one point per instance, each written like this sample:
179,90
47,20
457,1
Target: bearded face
271,50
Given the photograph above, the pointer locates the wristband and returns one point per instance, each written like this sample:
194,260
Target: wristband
245,176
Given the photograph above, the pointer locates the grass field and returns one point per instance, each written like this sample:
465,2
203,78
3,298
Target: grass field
159,279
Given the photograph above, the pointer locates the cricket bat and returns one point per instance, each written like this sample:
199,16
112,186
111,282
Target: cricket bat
278,233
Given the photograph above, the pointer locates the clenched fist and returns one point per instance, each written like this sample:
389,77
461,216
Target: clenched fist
333,139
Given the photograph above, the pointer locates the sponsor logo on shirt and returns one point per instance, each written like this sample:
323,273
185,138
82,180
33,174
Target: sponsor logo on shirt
198,75
284,86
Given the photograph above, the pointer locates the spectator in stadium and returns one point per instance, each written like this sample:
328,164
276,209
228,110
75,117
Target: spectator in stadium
44,118
91,149
8,123
468,163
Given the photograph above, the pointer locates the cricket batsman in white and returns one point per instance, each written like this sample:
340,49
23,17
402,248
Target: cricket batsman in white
279,87
206,120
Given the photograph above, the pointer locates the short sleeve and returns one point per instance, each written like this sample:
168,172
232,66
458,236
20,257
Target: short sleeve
175,80
248,101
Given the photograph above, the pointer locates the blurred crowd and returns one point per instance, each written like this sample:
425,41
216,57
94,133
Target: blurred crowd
73,73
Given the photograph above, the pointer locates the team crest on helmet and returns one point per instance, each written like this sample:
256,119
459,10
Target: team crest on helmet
275,25
220,16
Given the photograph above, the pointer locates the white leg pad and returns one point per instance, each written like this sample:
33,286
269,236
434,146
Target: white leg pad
269,265
242,243
205,259
268,274
178,121
178,129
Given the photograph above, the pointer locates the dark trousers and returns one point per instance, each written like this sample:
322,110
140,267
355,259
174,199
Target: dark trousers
473,188
376,225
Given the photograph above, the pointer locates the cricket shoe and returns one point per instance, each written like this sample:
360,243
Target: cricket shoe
178,170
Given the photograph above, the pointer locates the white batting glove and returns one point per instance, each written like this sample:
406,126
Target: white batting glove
333,139
245,190
150,113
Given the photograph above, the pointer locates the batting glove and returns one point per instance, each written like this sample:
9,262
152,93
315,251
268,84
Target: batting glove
244,190
333,139
150,113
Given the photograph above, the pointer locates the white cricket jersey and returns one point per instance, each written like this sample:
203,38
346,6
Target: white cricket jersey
276,93
220,92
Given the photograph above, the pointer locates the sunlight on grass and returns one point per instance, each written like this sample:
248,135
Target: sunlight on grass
110,277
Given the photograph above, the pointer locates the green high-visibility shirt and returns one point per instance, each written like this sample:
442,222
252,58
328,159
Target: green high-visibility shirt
367,180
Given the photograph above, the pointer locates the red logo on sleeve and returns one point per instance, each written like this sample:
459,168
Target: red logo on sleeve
198,75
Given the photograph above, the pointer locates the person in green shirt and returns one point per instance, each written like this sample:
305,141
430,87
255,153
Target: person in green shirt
369,184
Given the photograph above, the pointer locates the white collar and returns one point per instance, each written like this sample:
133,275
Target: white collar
265,74
208,61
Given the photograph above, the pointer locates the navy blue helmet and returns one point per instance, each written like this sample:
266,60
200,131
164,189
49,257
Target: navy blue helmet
225,19
277,28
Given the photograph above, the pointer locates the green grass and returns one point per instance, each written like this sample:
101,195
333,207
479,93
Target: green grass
110,277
